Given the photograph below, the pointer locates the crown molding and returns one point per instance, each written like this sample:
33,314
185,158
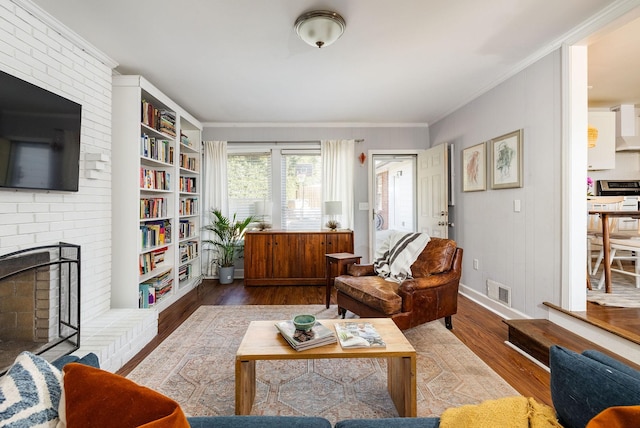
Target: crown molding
65,31
312,125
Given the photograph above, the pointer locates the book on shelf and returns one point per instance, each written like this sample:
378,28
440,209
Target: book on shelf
358,335
299,340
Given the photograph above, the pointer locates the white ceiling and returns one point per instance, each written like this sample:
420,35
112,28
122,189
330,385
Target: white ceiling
406,61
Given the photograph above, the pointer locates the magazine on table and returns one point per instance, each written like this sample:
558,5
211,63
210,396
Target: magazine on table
358,335
299,340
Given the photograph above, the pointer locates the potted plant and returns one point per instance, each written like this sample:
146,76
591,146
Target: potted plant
227,235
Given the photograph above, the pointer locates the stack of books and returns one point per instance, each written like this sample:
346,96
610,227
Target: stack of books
299,340
358,335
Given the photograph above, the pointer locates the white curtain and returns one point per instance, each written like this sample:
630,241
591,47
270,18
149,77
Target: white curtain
215,179
214,193
338,160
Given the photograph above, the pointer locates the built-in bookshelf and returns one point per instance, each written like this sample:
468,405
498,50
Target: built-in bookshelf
156,197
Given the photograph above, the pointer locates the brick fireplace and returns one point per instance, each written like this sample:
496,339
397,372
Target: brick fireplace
39,302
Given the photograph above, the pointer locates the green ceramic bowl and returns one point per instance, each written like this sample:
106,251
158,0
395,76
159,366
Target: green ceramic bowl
304,322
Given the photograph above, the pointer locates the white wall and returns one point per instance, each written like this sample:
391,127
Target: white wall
518,249
381,137
33,51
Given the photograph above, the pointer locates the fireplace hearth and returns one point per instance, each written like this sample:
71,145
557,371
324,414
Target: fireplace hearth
39,302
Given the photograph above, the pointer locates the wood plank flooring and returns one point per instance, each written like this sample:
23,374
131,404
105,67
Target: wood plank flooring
481,330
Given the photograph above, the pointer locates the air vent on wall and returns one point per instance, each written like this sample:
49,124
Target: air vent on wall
499,292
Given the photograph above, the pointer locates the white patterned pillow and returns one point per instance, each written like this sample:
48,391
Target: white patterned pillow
30,393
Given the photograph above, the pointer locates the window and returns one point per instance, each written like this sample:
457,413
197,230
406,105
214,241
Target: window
249,182
301,190
289,178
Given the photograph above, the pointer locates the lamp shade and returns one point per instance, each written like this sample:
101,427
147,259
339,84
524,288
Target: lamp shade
264,207
333,207
320,28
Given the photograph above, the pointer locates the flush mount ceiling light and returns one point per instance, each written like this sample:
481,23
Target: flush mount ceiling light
320,28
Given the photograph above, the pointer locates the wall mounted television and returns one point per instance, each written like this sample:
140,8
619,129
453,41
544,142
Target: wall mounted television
39,137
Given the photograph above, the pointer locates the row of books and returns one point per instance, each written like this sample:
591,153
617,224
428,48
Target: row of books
187,229
162,120
154,233
189,162
189,206
188,251
154,179
188,184
155,148
153,208
149,261
153,290
184,272
348,334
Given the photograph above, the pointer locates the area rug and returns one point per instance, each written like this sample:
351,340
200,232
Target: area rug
624,293
196,367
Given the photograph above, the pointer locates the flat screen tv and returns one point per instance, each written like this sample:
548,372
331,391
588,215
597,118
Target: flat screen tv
39,137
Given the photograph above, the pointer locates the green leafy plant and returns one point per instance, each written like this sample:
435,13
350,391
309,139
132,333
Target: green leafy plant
227,235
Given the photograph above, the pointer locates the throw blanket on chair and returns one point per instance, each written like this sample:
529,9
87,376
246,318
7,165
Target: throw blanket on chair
394,257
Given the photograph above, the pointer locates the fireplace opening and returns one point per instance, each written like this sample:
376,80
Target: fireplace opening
39,302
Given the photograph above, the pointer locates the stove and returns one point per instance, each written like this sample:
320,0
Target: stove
618,188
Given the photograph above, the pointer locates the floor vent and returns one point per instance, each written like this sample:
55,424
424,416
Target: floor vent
499,292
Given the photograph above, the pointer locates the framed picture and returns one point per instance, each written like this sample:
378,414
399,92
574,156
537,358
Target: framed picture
474,168
506,160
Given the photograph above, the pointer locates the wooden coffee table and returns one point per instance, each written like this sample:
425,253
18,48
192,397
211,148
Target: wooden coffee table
262,341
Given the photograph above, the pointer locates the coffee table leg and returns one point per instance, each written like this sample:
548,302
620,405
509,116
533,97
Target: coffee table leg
245,386
401,383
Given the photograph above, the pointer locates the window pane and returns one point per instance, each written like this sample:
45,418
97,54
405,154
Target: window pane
301,191
249,182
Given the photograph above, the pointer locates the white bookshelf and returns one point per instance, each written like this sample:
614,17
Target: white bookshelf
156,196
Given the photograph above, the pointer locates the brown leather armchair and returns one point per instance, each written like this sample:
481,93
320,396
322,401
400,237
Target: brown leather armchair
431,294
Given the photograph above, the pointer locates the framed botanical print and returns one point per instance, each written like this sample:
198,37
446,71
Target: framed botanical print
506,160
474,168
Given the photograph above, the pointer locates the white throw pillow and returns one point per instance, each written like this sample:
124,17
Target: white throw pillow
30,393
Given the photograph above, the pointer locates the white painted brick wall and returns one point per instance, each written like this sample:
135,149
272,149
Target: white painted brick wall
33,51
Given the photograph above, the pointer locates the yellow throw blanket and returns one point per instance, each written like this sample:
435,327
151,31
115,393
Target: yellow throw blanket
508,412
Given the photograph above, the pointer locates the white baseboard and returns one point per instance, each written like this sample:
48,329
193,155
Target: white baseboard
491,305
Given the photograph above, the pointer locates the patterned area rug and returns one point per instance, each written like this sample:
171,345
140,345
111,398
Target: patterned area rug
196,364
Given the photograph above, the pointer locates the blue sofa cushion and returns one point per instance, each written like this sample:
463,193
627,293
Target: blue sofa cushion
390,422
90,359
583,385
258,422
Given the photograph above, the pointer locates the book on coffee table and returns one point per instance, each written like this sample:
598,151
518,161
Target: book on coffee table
358,335
299,340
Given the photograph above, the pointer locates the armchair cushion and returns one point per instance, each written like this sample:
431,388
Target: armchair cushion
437,257
373,291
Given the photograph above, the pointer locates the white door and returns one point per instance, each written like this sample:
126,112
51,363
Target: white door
433,191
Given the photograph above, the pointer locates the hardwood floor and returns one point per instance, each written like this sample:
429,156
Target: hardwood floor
481,330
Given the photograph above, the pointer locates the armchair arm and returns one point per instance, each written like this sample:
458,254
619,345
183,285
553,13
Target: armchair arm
360,270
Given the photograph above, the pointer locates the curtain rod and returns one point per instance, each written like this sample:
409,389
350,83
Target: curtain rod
359,140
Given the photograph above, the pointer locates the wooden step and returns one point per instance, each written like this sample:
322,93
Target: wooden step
536,336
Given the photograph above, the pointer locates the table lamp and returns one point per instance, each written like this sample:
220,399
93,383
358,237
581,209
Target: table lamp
333,209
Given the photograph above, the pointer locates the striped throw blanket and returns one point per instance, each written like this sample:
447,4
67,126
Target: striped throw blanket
393,259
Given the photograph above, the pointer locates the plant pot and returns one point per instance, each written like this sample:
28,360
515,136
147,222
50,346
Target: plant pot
225,274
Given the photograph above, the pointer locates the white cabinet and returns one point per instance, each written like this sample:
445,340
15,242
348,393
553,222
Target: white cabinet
603,154
156,197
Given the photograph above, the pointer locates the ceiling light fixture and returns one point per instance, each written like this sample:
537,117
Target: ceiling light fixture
320,28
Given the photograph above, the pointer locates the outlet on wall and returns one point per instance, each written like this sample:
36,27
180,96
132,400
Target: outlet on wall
476,264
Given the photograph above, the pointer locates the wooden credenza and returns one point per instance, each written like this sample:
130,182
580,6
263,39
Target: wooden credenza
291,258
